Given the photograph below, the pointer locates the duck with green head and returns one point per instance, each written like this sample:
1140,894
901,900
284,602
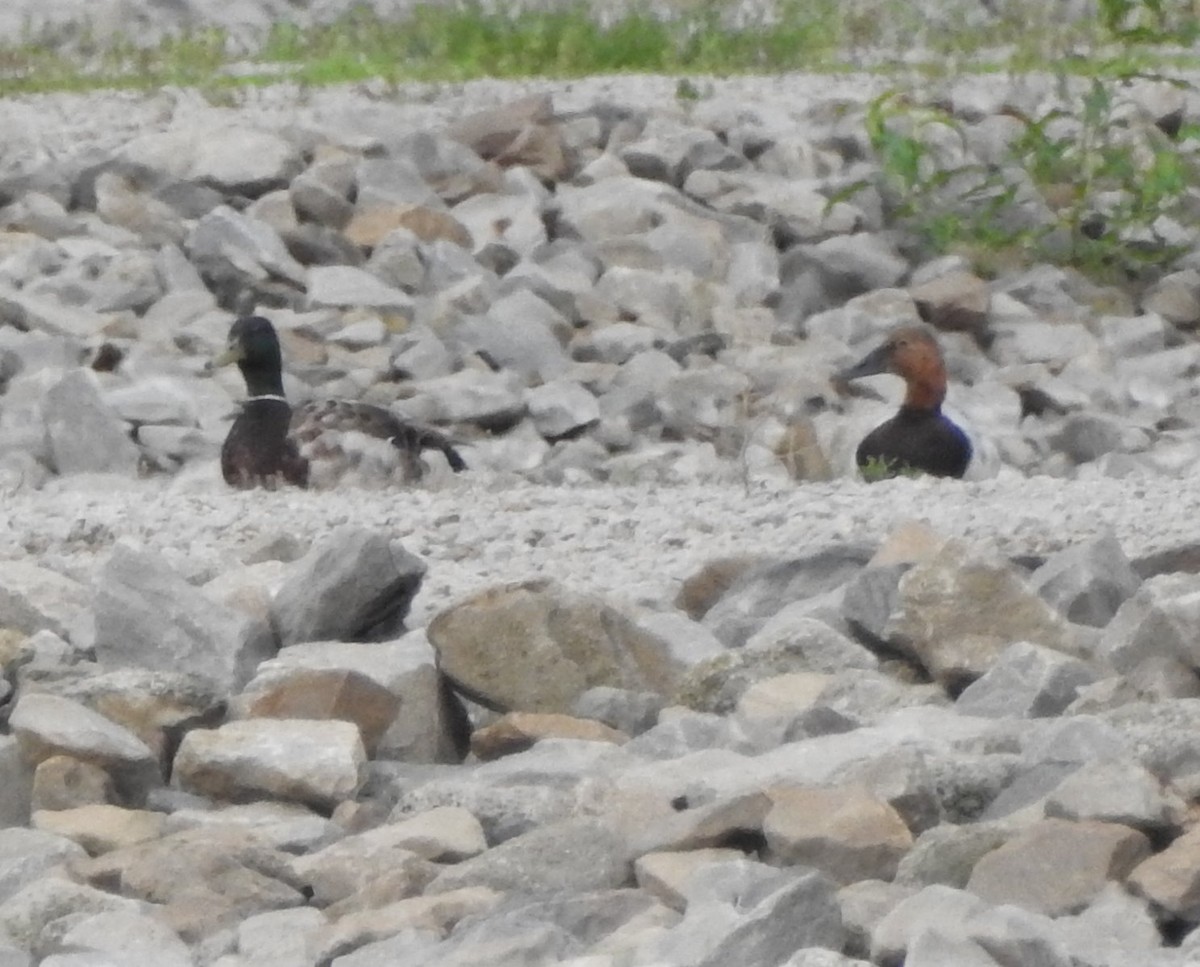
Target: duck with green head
272,442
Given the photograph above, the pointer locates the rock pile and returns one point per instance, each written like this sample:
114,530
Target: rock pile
578,289
917,752
910,751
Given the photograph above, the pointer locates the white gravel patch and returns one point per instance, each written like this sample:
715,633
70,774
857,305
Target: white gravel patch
635,544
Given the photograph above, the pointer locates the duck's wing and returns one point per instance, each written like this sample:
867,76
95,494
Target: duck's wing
343,436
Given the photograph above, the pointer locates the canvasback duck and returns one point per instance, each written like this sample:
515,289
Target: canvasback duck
920,437
271,442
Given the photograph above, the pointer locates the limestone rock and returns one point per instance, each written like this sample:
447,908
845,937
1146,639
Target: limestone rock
83,434
355,585
1056,866
313,762
47,725
148,616
845,832
956,613
490,644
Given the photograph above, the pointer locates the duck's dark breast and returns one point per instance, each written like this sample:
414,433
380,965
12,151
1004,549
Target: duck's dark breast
257,451
918,439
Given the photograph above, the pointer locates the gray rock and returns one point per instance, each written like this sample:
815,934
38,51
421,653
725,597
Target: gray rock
634,388
150,617
36,599
864,905
561,408
355,585
1149,641
520,332
575,855
1117,792
853,264
911,917
279,938
669,151
28,854
488,399
233,251
83,434
232,158
127,937
26,915
157,400
749,914
1116,929
16,781
617,342
870,598
946,854
322,193
47,725
989,938
1087,582
1086,437
1028,681
619,708
764,589
794,209
346,286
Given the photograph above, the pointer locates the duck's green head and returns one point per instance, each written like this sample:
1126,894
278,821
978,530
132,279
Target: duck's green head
252,344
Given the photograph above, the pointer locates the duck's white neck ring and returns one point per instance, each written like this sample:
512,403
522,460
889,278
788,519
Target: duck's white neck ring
267,396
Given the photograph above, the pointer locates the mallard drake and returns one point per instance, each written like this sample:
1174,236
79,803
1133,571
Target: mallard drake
920,437
316,442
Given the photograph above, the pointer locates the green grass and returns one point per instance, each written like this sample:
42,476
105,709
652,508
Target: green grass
443,42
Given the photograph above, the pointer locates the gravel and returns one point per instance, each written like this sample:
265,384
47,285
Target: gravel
636,543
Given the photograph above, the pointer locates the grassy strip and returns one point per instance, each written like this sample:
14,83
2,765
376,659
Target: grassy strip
459,42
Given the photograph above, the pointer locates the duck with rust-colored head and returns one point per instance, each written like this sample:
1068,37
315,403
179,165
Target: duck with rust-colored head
920,437
319,441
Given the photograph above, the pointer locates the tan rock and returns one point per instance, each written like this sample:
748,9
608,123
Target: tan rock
445,834
47,725
371,227
63,782
434,913
518,731
799,450
355,862
318,763
781,696
535,646
954,302
521,132
1171,879
206,879
912,542
700,591
1058,867
101,828
844,831
324,694
956,612
726,822
666,875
